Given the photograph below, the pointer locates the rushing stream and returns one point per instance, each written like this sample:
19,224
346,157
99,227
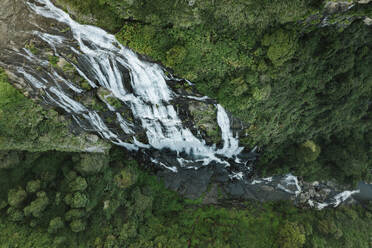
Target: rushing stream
140,111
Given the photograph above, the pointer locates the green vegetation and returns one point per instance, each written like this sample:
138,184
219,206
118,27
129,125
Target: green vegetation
123,206
303,90
205,118
107,96
53,60
273,66
25,125
57,199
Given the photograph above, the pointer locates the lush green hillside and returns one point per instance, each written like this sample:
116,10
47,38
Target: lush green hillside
292,77
303,90
74,199
56,199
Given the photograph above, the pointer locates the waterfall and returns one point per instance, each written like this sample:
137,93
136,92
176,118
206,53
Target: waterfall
142,88
148,98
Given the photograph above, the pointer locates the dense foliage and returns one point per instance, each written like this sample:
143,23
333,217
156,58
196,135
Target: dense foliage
25,125
55,199
303,90
60,199
273,64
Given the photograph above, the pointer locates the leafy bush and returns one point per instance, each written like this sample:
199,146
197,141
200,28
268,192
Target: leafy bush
33,186
290,236
77,226
37,206
55,224
16,197
147,214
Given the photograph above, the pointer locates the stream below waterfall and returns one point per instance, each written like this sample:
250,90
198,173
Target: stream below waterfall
108,89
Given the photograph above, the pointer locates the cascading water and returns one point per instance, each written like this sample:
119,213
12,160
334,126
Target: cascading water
148,98
141,87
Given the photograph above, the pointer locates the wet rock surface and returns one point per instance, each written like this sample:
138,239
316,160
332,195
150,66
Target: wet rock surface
221,191
43,59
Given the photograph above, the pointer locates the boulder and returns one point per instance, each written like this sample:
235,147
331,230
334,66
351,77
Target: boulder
336,7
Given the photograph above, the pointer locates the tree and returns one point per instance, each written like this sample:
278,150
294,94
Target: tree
92,163
33,186
74,214
15,214
37,206
76,200
16,197
291,236
55,224
77,225
78,184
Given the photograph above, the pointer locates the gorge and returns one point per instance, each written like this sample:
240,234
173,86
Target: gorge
104,64
189,140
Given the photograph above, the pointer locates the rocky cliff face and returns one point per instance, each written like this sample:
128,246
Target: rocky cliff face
38,129
47,64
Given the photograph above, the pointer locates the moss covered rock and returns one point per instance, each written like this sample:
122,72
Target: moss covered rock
205,118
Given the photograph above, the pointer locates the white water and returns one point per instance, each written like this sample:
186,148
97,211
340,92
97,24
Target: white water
149,100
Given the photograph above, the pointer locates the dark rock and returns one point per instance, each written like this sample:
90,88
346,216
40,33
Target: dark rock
235,189
188,182
212,195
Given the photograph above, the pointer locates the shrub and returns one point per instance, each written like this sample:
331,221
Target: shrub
74,214
79,200
55,224
282,46
37,206
33,186
16,197
91,163
125,178
8,94
77,225
15,214
308,151
78,184
291,236
175,56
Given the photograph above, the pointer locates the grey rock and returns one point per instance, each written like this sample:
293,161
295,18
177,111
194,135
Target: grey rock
364,1
267,188
367,21
311,192
324,193
236,189
189,183
336,7
315,183
211,196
